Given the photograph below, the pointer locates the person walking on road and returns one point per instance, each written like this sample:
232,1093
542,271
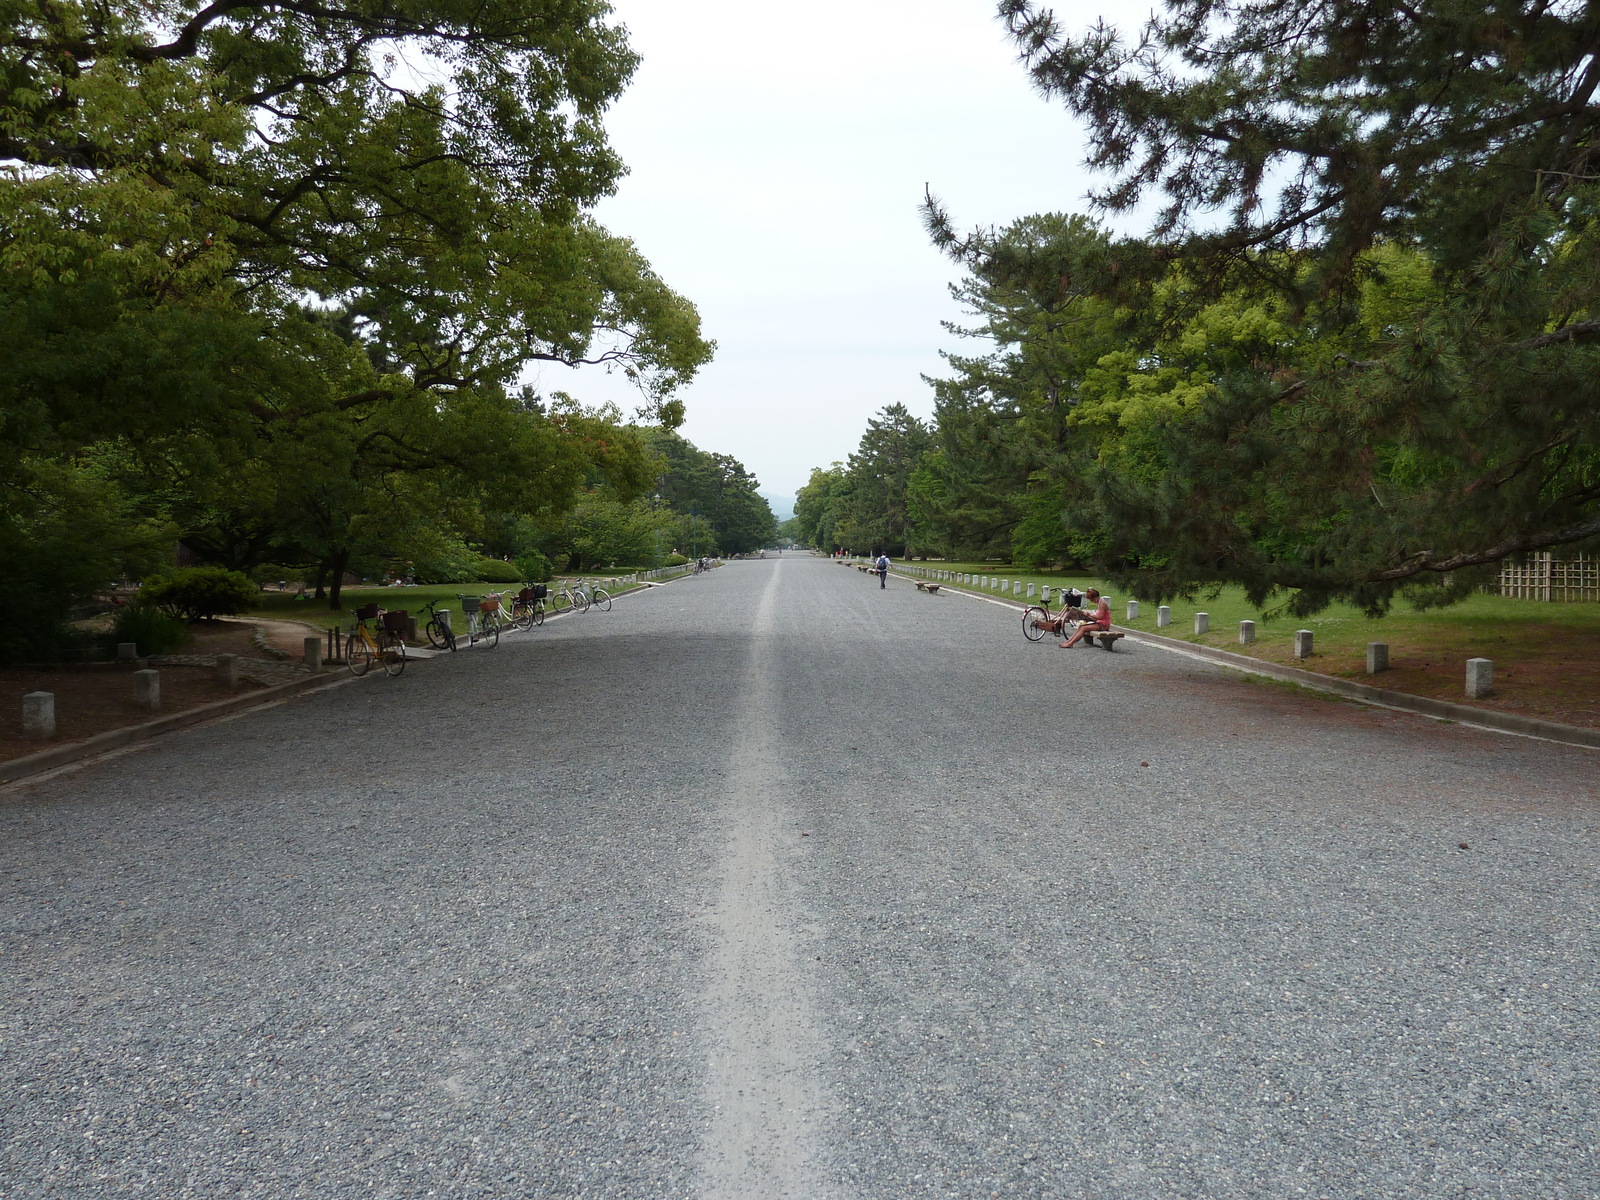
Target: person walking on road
882,568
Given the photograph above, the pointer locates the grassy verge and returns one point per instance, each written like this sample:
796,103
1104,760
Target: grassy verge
1546,656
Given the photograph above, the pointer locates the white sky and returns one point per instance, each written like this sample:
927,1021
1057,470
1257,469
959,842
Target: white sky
778,155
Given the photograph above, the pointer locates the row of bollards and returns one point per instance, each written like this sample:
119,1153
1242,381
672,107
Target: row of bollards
39,708
1480,671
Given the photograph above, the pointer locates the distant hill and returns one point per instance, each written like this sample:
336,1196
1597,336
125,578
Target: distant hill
782,506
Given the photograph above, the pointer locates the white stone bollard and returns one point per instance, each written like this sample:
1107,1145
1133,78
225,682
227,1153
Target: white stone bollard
1377,657
1202,622
39,715
313,653
228,670
1163,617
1480,678
1247,632
1304,642
1030,591
127,651
147,689
1044,594
1133,610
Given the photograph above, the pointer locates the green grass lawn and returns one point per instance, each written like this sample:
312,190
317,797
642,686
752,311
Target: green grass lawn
1546,656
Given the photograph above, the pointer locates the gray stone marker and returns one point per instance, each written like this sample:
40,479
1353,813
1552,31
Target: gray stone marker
313,653
1163,617
147,689
1480,678
1030,591
1133,610
444,619
39,715
228,670
1377,657
1044,594
127,651
1202,622
1303,642
1247,632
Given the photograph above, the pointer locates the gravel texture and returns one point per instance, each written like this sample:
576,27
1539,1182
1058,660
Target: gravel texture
771,883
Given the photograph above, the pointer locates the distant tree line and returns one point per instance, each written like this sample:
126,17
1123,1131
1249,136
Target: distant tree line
1357,355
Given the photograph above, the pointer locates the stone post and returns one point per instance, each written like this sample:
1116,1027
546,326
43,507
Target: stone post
313,653
127,651
1480,678
1133,610
1304,641
228,670
1030,591
410,631
39,715
1044,594
1377,657
1247,632
1163,617
1202,622
147,689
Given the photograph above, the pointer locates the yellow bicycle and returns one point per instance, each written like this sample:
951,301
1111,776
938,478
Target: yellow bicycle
366,647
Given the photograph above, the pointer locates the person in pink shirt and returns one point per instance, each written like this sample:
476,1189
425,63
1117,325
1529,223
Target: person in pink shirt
1098,621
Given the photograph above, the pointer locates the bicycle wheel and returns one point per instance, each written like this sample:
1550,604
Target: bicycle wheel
1029,615
436,635
394,656
538,612
491,630
580,601
602,599
560,602
522,615
358,655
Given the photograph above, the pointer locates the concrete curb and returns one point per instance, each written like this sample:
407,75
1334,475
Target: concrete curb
59,756
1422,706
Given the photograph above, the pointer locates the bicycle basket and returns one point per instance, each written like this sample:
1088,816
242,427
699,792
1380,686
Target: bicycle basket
541,591
395,620
490,604
367,612
471,604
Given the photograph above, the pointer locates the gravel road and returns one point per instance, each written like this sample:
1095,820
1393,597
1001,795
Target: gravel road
772,884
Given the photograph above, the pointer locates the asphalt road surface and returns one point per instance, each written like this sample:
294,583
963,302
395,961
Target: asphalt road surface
773,884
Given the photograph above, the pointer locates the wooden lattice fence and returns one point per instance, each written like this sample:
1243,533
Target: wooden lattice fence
1545,577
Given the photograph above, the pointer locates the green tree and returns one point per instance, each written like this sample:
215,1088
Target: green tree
1409,210
874,513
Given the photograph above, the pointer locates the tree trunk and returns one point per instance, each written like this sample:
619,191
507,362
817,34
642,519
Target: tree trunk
337,564
322,578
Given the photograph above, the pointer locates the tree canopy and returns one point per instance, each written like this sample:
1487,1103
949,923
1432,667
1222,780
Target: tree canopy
1357,351
288,263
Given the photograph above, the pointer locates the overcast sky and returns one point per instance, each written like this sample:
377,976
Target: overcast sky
778,155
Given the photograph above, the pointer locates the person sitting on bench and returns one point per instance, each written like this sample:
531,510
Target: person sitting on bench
1097,622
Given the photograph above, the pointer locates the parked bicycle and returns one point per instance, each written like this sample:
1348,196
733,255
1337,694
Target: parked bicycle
385,646
483,619
440,636
569,599
527,610
597,596
1037,621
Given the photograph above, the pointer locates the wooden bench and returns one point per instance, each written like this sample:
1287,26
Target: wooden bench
1108,641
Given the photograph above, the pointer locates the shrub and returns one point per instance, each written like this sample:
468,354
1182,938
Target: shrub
200,593
673,560
534,567
492,570
154,631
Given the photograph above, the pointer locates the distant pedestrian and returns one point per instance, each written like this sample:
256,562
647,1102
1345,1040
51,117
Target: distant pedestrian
882,568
